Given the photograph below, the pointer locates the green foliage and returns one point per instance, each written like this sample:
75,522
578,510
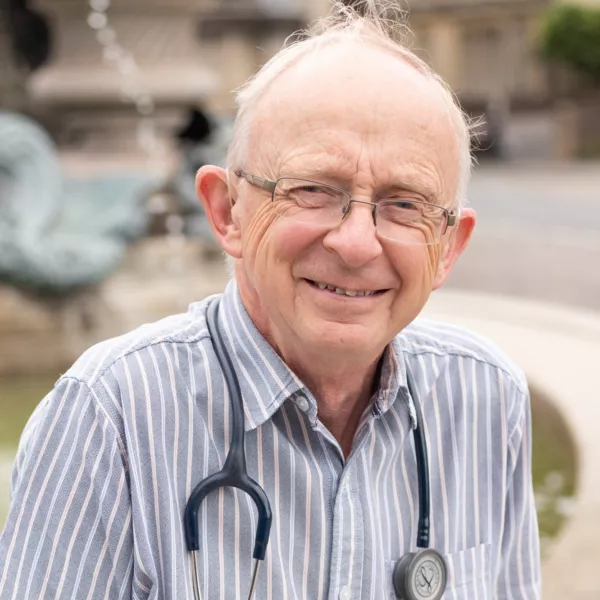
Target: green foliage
571,34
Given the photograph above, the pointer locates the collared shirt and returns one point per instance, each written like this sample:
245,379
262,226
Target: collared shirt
110,457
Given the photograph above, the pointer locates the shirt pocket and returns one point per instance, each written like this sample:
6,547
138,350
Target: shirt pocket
469,574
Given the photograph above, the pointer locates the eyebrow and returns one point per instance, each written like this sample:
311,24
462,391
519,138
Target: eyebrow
337,178
333,176
407,185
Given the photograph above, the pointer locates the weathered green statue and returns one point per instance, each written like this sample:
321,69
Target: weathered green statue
56,234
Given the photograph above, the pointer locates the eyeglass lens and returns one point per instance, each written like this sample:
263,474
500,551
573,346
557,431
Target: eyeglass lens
400,219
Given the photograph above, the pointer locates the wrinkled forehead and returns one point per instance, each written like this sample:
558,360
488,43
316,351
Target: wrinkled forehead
351,102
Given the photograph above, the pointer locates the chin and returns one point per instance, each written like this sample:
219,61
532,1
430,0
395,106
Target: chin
344,338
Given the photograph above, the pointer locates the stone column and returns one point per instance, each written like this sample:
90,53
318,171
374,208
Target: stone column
567,140
12,79
238,63
444,49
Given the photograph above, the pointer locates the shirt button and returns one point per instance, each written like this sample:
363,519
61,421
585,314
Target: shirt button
345,593
302,403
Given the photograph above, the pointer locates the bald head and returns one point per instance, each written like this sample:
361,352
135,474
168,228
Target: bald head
360,50
330,113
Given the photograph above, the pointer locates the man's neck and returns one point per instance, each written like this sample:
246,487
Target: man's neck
342,395
342,385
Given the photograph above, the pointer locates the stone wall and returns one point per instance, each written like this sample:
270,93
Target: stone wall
160,276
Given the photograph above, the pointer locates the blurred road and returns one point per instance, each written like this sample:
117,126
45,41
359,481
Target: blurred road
538,233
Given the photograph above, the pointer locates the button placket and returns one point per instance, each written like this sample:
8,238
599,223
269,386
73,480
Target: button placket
348,547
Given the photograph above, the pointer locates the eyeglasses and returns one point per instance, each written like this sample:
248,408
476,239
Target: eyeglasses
400,219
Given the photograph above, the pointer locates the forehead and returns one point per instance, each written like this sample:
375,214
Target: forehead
351,109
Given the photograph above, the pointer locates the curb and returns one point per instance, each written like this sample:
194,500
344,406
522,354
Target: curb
559,349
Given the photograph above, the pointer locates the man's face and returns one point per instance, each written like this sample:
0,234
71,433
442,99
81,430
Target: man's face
365,121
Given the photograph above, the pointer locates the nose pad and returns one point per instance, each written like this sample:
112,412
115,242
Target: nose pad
354,240
346,209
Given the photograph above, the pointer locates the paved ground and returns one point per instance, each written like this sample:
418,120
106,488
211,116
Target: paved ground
538,233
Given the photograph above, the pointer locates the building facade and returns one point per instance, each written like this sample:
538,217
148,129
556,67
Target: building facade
149,59
152,60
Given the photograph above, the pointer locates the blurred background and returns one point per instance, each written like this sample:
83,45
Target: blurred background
108,107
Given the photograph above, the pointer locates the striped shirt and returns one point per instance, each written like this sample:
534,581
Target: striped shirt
111,455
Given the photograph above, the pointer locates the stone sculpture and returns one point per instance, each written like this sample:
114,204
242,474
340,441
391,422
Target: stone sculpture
57,235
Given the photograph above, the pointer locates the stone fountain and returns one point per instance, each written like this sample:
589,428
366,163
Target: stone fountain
84,259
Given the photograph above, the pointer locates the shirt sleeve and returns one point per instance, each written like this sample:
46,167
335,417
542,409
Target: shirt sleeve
68,533
519,577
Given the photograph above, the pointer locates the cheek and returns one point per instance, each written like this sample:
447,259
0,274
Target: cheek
257,230
432,261
270,242
417,267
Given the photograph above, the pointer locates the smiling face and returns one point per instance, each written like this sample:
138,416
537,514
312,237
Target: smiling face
363,120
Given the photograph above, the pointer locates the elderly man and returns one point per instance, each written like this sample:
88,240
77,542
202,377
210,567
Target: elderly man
342,209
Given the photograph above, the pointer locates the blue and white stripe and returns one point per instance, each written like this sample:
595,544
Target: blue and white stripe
109,459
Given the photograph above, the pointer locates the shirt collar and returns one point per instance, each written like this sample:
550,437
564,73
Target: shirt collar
393,381
267,382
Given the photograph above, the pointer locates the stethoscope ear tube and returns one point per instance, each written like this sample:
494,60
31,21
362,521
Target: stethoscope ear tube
234,472
416,575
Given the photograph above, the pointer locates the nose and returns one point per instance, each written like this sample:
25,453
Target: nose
355,238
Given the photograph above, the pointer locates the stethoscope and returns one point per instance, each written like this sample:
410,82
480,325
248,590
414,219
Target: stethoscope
420,575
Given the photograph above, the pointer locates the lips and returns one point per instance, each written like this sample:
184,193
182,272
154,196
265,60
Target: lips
343,291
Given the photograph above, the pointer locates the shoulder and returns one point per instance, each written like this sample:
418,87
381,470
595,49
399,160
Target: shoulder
456,344
113,377
181,329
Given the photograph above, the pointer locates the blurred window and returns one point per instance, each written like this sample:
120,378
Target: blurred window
481,62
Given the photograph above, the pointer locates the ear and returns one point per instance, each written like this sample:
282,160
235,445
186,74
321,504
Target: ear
457,242
213,190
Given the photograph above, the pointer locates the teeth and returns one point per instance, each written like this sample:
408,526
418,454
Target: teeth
342,292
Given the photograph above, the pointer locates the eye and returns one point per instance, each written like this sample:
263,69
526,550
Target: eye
313,189
406,205
401,210
308,194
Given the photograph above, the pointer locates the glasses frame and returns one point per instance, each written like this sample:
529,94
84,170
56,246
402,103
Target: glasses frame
270,186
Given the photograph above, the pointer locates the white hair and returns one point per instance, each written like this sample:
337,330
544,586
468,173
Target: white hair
380,23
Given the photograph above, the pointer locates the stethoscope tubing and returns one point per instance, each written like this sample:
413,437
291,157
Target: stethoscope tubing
234,473
423,484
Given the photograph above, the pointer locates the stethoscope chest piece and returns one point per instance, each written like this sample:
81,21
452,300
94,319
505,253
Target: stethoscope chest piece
420,575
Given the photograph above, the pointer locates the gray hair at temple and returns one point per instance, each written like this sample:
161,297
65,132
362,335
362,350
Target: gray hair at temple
379,23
